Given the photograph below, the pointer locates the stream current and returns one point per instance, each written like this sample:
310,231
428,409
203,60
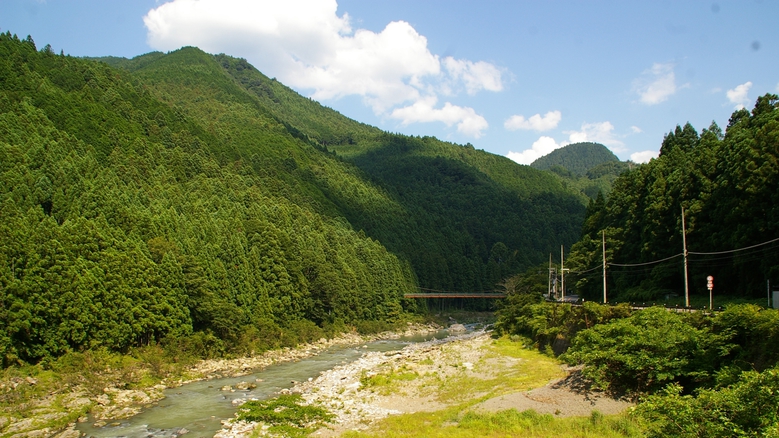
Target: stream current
197,409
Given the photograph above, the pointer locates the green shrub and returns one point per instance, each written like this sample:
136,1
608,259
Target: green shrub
286,415
747,408
646,352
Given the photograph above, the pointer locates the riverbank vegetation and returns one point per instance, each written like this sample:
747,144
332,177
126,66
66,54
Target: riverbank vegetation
688,370
508,423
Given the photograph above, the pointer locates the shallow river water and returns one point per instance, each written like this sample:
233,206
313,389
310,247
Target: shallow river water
197,409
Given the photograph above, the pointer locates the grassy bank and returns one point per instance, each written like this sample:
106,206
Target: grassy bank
457,422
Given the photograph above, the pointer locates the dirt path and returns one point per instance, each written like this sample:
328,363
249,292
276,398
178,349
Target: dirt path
559,398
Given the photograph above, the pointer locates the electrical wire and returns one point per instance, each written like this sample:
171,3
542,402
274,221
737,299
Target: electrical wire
734,250
647,263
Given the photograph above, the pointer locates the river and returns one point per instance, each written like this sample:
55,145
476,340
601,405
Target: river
197,409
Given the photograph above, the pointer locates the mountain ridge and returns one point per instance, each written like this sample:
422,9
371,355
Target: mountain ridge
187,198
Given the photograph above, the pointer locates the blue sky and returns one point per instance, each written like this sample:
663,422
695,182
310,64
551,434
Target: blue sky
515,78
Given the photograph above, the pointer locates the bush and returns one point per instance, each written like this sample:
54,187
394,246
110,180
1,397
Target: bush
748,408
372,327
199,345
754,332
286,415
647,351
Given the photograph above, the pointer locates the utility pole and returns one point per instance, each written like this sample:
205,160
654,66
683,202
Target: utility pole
549,290
686,283
604,267
562,272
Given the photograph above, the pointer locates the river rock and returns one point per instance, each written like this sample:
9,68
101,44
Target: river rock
103,400
238,401
457,328
70,432
244,386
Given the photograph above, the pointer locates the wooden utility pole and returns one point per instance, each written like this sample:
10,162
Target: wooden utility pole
549,289
562,272
604,267
686,283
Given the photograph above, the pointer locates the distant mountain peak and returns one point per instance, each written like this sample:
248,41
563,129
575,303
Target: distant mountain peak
577,158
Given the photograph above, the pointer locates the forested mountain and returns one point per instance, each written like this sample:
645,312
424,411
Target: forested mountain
728,186
590,168
186,197
577,158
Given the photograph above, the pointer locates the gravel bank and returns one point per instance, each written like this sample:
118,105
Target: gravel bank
343,390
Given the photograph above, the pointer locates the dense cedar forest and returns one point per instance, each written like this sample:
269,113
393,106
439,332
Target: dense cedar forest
728,185
576,158
590,168
186,198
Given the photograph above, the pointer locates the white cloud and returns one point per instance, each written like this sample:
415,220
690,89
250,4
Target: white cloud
657,84
468,122
476,76
543,146
535,123
305,44
738,95
597,133
643,156
636,130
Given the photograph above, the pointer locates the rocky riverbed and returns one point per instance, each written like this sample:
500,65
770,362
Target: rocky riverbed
431,376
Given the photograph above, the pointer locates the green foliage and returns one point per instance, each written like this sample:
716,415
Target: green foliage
576,158
646,351
589,168
548,325
454,423
699,375
149,228
753,333
747,408
185,201
285,415
728,186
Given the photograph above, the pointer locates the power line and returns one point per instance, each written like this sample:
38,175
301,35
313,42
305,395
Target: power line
588,270
734,250
647,263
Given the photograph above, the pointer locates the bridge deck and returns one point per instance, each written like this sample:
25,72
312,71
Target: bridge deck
455,295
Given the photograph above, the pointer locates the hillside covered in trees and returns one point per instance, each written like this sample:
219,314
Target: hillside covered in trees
588,167
186,198
727,183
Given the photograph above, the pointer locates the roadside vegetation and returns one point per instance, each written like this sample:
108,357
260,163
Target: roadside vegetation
687,370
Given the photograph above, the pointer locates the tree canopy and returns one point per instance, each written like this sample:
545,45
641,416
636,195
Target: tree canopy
186,197
728,186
